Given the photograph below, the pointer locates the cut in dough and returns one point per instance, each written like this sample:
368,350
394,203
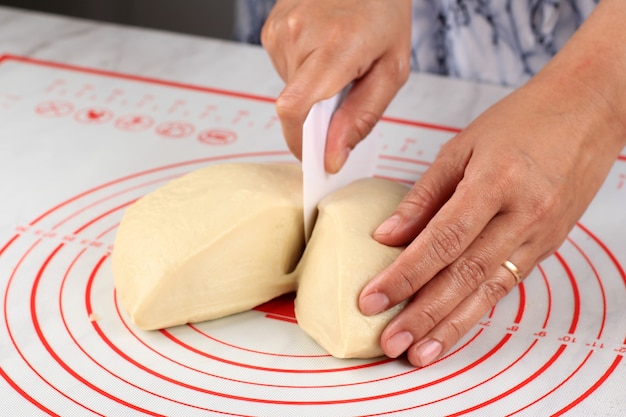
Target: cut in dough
340,258
217,241
226,238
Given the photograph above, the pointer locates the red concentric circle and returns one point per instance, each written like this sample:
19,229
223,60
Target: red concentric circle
252,364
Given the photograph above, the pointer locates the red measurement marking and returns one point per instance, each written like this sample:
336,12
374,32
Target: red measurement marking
206,111
144,100
596,344
270,123
568,339
54,108
84,90
176,105
217,137
622,179
175,130
280,308
94,115
10,96
134,123
53,85
407,143
114,94
240,115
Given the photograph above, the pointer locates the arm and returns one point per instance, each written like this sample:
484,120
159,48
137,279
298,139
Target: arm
508,187
320,46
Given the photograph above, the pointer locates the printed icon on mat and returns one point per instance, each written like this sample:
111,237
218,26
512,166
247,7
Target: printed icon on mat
175,130
94,115
217,137
54,108
134,122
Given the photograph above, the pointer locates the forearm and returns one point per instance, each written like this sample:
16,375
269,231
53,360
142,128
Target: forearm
589,75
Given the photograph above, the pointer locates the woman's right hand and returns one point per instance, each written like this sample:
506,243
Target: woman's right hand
320,46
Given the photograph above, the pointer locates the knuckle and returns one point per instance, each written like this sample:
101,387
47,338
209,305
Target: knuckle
545,204
429,318
293,25
469,271
406,281
288,106
396,67
418,199
365,122
493,291
454,329
400,68
447,241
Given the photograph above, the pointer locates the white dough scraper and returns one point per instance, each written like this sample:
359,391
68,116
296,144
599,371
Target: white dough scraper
317,182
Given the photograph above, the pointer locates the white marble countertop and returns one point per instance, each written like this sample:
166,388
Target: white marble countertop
209,62
81,140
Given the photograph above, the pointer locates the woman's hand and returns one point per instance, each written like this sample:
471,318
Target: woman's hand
508,187
320,46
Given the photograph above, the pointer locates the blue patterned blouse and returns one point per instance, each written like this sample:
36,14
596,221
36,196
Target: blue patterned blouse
494,41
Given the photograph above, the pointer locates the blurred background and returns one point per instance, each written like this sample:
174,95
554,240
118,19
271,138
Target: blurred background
213,18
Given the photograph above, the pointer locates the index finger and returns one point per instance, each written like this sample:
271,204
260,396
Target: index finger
319,77
449,233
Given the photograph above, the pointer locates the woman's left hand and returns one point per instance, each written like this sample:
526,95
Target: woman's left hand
508,187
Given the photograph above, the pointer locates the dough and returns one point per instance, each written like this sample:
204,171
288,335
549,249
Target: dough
340,258
217,241
226,238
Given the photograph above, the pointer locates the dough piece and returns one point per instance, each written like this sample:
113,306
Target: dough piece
340,258
214,242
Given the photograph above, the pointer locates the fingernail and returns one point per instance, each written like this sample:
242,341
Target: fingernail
398,343
340,160
388,225
374,303
428,351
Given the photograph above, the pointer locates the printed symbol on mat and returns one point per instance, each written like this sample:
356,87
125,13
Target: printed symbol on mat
175,130
217,137
622,180
54,108
134,123
94,115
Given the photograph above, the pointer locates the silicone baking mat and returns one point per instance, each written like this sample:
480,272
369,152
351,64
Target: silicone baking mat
79,145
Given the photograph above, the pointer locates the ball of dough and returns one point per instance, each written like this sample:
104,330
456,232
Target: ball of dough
220,240
340,258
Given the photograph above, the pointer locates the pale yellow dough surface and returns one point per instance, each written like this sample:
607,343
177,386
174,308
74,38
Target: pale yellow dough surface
340,258
217,241
226,238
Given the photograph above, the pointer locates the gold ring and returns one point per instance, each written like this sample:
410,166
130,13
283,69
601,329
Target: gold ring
514,270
